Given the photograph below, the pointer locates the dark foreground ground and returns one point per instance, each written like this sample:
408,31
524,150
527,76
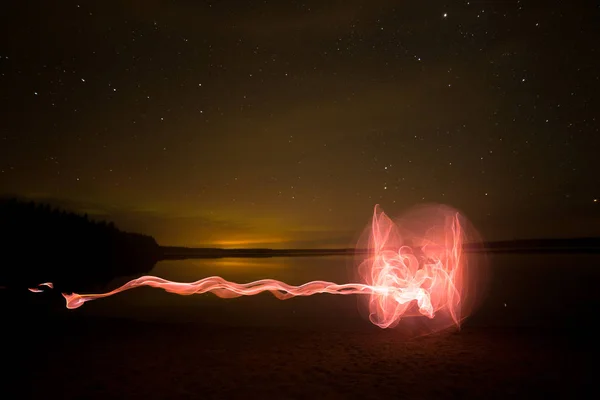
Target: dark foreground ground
78,358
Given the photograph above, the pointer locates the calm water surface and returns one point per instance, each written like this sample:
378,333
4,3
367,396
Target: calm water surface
523,290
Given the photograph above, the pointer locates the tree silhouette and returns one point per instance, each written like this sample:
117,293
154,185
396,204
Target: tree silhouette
40,243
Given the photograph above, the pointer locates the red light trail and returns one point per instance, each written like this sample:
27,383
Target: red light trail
425,278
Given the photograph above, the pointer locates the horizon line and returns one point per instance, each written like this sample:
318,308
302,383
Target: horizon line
484,244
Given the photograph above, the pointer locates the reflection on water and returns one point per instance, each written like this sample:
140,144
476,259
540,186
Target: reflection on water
263,309
524,290
293,270
190,269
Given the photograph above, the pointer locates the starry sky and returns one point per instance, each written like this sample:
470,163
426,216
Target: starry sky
282,123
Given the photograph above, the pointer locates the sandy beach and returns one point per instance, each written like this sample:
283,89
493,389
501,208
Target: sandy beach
75,358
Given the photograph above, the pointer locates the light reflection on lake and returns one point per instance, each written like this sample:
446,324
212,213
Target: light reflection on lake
263,309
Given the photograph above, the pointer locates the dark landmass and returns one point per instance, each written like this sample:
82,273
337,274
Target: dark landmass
39,243
571,245
576,245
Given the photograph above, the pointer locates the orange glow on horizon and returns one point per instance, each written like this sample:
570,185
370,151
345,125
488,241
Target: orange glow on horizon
257,263
244,243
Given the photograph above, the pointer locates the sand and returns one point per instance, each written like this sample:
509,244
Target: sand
79,358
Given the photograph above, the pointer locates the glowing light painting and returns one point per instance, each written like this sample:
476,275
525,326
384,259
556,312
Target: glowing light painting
412,267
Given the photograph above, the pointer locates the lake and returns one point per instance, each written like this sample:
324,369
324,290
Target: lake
524,290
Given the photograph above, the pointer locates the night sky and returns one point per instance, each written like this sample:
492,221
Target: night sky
282,123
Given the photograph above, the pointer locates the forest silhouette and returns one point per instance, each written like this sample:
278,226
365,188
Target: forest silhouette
40,243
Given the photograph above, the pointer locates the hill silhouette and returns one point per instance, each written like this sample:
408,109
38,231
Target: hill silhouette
39,243
551,245
524,246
